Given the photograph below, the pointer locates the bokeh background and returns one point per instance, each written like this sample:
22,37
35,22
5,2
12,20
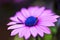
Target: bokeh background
9,7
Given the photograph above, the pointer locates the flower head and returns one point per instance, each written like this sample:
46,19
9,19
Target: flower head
32,21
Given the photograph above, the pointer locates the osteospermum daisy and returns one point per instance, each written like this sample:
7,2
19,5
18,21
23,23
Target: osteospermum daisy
32,21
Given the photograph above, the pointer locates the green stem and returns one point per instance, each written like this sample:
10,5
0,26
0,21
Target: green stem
38,38
32,38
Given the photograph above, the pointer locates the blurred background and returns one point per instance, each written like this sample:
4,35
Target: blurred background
9,7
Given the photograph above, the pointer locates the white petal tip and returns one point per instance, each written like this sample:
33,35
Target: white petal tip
8,28
12,35
34,35
8,24
43,7
49,33
42,35
27,37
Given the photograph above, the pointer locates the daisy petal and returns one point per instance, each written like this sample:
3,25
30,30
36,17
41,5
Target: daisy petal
21,32
39,12
33,31
40,32
25,12
14,32
16,26
48,18
32,10
11,23
55,16
14,19
20,17
26,33
45,29
47,23
46,13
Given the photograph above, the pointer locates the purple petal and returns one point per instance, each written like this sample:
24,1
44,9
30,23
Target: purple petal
51,18
16,26
46,13
39,12
25,12
45,29
20,16
26,33
11,23
48,18
14,19
21,32
32,10
39,30
33,31
46,23
14,32
55,16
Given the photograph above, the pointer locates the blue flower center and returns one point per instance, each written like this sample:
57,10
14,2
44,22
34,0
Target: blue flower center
31,21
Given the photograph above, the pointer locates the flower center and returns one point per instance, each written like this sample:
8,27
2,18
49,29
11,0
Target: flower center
31,21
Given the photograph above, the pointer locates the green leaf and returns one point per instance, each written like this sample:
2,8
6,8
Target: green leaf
53,30
47,37
17,38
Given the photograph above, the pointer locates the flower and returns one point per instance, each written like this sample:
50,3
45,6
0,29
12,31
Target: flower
58,22
32,21
18,1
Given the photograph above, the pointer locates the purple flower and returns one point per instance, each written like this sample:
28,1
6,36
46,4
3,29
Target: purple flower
32,21
19,1
58,22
